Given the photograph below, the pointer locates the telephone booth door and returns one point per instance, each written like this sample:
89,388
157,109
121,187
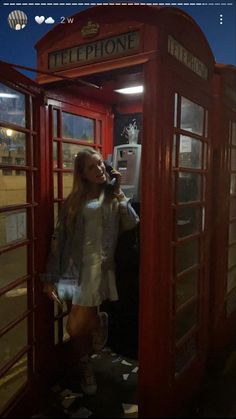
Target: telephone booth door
21,166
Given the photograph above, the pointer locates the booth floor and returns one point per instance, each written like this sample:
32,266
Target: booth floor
117,378
216,397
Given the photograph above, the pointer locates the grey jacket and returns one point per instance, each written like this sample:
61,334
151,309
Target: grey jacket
67,244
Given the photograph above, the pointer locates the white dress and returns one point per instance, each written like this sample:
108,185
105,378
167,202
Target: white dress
95,283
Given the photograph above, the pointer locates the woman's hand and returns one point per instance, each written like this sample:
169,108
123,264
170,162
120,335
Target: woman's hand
117,175
49,288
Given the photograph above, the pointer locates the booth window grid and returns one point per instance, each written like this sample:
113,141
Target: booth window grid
18,170
189,175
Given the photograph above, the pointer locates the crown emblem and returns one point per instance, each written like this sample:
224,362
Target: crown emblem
91,29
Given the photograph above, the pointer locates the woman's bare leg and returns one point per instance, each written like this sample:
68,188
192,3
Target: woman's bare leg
80,325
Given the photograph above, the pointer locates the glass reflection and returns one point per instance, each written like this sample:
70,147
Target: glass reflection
232,232
13,380
78,127
67,183
190,152
233,159
233,184
69,152
13,341
185,319
12,188
232,208
55,155
188,187
12,147
232,256
12,226
192,116
186,287
12,106
233,135
231,280
13,303
188,221
187,255
13,265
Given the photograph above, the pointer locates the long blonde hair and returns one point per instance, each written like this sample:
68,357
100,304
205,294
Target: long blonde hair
79,191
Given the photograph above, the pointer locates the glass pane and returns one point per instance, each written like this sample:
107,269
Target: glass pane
13,303
190,152
206,124
12,188
174,151
67,183
232,256
69,152
99,139
185,320
233,184
187,255
186,287
55,185
55,213
12,106
231,302
13,380
188,187
185,353
233,158
232,232
78,127
13,265
232,208
188,221
233,136
231,280
176,109
13,341
55,155
12,226
55,123
12,147
192,116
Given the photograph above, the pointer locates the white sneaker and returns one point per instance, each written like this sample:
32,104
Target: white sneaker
88,383
101,335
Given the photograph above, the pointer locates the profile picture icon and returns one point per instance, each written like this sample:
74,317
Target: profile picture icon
17,20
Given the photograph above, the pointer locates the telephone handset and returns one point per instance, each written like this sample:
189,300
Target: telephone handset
109,169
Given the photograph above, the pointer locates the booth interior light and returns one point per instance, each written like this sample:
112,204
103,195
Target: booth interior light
130,90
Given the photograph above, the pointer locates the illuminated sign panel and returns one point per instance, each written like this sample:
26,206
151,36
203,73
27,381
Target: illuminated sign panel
104,48
186,58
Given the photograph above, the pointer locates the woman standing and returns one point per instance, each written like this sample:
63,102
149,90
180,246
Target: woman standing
80,266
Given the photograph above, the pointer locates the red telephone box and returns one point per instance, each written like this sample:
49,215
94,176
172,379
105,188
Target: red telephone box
223,278
109,47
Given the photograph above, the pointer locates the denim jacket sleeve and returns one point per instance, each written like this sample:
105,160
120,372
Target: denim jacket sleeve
128,217
53,266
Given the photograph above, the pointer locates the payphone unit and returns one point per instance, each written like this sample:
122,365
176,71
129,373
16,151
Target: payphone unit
127,159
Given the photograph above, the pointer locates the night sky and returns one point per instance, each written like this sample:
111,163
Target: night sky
18,46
